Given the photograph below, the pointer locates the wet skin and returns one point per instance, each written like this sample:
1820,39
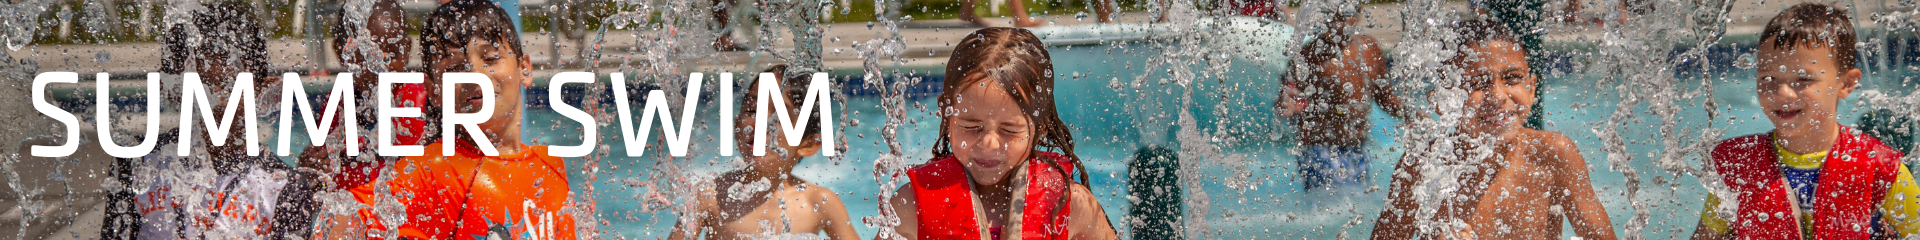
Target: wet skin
1349,79
1536,179
220,76
385,32
991,138
1801,89
508,70
789,205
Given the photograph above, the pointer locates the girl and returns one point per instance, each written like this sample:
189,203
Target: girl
988,177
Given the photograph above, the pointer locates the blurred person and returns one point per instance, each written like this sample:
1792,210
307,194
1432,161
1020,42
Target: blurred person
793,206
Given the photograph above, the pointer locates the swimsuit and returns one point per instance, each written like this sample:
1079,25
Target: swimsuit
1328,166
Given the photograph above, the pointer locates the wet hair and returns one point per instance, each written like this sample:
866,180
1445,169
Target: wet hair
1816,24
1475,32
1322,49
1019,62
384,17
455,24
792,88
227,29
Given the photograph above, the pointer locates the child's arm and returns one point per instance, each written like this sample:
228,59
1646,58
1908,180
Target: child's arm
1901,207
838,225
1087,220
1382,88
1711,227
1396,222
694,224
1588,217
903,203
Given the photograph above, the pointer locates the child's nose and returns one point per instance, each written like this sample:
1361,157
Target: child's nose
991,142
1784,90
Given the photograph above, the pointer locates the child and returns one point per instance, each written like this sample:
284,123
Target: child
1836,182
792,206
367,47
997,111
1341,71
519,193
1534,178
220,192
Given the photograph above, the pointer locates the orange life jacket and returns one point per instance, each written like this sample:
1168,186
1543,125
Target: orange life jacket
1853,180
469,196
947,209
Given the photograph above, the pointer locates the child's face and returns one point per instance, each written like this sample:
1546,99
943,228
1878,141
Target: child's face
988,133
392,46
507,70
1800,88
1500,88
780,157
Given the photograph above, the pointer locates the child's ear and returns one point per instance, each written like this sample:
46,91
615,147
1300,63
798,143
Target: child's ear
1849,80
526,70
809,146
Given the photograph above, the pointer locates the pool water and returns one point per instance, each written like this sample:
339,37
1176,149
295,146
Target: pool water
1110,122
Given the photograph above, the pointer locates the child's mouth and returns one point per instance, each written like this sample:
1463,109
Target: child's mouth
985,163
1500,119
473,101
1786,114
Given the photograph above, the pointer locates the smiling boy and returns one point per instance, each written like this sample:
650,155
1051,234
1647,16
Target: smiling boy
1835,182
517,191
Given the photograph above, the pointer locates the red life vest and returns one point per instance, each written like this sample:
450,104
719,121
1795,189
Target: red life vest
1853,180
946,207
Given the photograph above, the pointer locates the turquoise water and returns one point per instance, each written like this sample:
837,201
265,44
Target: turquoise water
1110,123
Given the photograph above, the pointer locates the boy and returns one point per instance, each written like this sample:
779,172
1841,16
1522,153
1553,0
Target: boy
519,193
1835,182
1327,98
220,192
1530,181
367,47
789,206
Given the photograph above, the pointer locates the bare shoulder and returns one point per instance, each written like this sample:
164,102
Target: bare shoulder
817,193
902,196
1551,146
1366,43
1082,196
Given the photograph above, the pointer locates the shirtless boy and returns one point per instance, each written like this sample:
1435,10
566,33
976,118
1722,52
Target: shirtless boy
770,202
1534,179
1341,71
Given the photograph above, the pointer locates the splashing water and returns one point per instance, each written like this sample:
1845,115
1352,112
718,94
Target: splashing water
1650,93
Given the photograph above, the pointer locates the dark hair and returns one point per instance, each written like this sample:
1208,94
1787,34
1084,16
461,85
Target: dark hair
792,88
227,29
1018,61
1816,24
1475,32
385,26
455,24
1322,48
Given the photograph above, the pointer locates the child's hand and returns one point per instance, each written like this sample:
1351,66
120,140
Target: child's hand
1290,101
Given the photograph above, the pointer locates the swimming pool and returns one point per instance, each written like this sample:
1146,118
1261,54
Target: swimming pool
1111,122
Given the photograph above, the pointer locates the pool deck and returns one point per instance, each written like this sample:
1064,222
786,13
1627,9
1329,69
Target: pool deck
926,44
